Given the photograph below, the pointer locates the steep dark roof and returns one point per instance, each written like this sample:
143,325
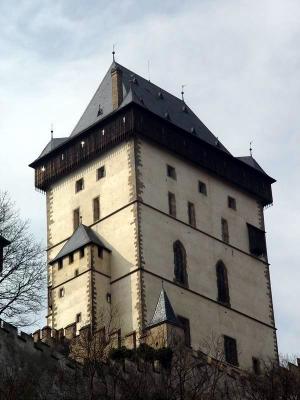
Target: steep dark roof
137,90
81,237
249,160
53,144
140,91
163,311
4,242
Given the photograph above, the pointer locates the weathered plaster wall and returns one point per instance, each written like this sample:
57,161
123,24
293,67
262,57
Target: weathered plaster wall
114,190
209,209
117,228
247,275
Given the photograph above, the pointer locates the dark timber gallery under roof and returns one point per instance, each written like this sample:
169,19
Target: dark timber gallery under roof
143,109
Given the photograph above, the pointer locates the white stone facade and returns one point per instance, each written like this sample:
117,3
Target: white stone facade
136,226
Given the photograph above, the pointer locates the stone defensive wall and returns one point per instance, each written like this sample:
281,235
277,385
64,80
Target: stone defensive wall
19,347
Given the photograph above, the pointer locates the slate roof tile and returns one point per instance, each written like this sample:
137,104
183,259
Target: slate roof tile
82,236
163,311
249,160
140,91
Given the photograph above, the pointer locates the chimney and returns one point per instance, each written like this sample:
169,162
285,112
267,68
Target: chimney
117,87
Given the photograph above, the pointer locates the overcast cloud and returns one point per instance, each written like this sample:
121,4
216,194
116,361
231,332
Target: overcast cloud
239,59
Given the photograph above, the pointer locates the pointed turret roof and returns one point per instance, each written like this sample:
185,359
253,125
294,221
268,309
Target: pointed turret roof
53,144
249,160
163,311
82,236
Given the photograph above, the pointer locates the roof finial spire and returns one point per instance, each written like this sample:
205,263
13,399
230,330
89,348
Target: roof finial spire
80,219
250,149
113,52
149,71
51,132
182,92
51,136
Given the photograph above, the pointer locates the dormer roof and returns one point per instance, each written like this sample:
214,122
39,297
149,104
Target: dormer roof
81,237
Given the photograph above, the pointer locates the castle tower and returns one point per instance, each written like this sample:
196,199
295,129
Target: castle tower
142,191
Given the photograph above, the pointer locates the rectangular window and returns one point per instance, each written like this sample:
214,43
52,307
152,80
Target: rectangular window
202,188
256,366
191,214
225,230
61,292
172,204
76,273
257,241
185,323
71,258
101,172
79,185
81,252
78,318
232,203
76,218
171,172
100,252
60,263
50,297
230,350
96,209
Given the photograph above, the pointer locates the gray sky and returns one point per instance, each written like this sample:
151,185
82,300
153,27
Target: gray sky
239,59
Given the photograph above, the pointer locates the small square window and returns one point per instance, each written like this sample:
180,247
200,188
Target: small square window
81,252
71,258
202,188
101,172
79,185
78,318
60,264
171,172
100,252
61,292
76,272
231,202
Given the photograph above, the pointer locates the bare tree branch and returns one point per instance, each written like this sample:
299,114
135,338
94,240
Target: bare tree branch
23,275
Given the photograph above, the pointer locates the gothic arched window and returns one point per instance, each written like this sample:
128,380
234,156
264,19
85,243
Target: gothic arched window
222,282
180,263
